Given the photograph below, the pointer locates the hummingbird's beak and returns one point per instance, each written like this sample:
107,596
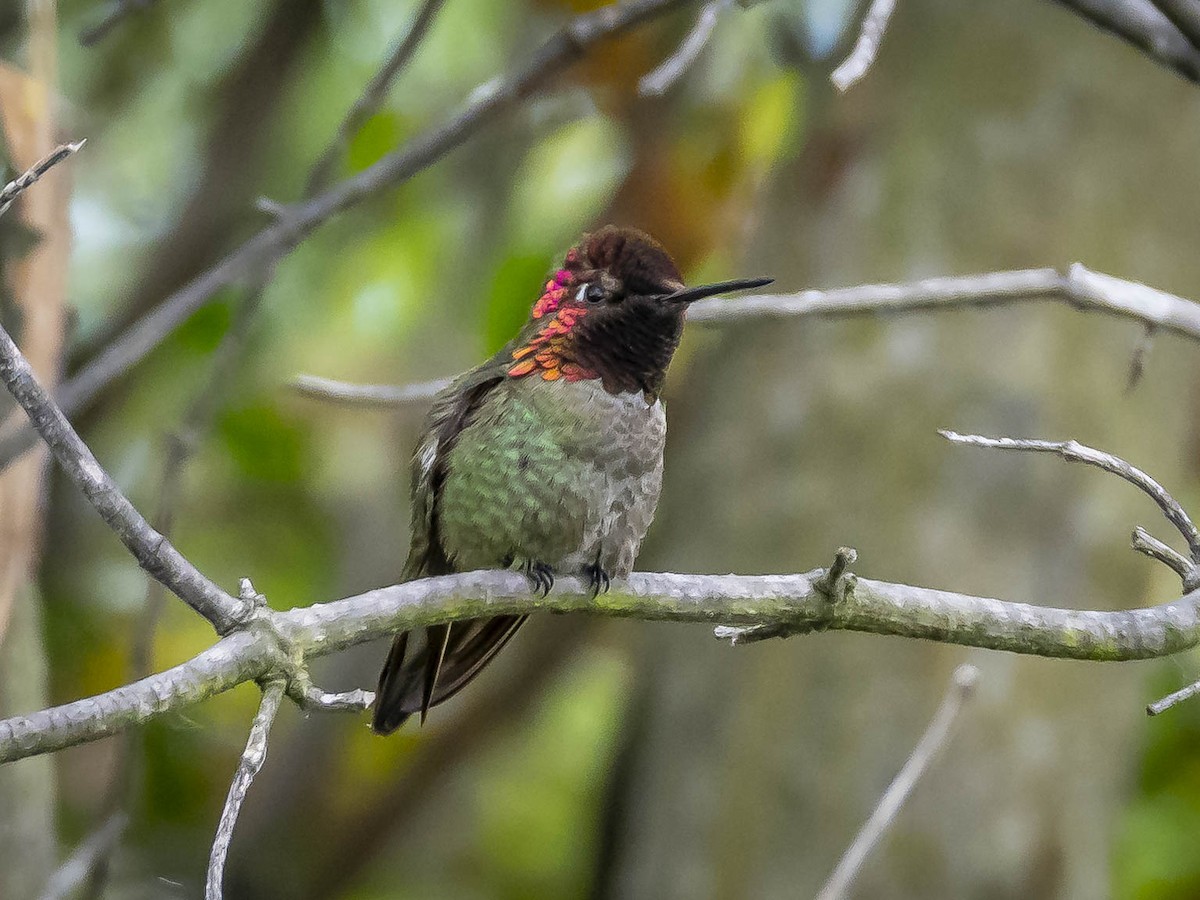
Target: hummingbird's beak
700,291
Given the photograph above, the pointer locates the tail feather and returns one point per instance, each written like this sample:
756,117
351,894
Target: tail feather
420,674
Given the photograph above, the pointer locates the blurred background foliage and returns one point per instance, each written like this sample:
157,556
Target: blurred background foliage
621,759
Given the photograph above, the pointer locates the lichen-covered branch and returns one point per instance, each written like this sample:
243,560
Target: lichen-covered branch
798,603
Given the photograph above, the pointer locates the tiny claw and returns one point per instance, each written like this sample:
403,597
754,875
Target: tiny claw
541,576
598,579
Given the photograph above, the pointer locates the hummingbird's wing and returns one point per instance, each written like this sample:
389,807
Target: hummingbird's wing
423,669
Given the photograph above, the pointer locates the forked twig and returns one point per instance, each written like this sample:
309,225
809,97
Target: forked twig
1073,451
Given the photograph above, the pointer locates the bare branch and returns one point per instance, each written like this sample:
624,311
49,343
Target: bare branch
180,446
258,254
153,552
1079,287
1073,451
75,869
23,182
374,94
117,13
1141,24
1184,15
1170,700
672,68
962,686
251,762
794,601
371,395
855,66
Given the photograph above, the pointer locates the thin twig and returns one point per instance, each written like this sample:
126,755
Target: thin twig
26,180
672,68
181,445
196,422
252,760
1073,451
1184,15
259,253
1144,542
962,685
371,395
1144,26
1170,700
394,809
117,13
153,552
855,66
373,95
356,700
1078,287
75,869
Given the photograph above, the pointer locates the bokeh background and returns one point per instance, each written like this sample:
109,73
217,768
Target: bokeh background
619,759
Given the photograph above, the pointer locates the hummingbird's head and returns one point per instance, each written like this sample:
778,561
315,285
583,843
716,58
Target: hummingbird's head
613,311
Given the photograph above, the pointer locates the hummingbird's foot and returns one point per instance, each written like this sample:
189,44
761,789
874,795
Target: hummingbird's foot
597,578
540,575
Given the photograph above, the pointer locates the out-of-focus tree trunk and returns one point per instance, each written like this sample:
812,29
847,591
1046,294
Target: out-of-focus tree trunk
34,276
969,147
28,835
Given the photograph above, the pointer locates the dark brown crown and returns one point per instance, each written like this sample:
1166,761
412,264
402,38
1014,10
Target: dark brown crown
638,260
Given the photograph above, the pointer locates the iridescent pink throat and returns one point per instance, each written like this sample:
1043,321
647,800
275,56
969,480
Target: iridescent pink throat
545,353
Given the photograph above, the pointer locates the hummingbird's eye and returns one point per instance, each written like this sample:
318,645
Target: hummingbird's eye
592,293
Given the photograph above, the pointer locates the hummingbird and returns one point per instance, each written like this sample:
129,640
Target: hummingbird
547,458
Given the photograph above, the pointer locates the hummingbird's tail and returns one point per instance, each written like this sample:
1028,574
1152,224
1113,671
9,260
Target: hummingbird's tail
429,665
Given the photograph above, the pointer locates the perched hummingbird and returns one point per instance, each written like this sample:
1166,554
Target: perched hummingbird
548,457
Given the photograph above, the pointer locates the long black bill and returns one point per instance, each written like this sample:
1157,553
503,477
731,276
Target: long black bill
700,291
